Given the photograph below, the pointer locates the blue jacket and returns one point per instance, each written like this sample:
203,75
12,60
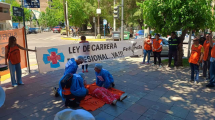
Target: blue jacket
77,88
108,78
71,67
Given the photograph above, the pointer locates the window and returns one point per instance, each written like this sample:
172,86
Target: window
1,27
1,9
5,10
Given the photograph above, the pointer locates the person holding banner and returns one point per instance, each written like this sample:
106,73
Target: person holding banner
83,40
103,77
147,49
72,65
12,56
157,48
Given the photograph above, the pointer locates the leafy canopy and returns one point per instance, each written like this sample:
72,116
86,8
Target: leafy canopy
172,15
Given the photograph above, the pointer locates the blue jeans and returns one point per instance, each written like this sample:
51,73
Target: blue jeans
212,72
15,68
194,70
146,52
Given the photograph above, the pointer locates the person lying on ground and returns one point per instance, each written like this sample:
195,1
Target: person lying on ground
103,77
72,65
103,93
71,86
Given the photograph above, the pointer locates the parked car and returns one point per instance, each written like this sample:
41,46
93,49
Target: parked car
139,34
57,29
63,31
32,30
47,29
39,30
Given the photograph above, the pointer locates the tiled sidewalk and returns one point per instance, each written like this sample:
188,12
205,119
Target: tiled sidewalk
152,95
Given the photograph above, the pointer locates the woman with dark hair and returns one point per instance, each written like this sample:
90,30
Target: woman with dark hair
12,56
83,40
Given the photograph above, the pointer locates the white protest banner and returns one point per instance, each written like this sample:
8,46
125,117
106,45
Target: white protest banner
54,58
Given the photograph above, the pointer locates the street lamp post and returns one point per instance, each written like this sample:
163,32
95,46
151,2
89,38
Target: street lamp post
122,21
98,19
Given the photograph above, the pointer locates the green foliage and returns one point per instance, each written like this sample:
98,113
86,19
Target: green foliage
49,18
170,15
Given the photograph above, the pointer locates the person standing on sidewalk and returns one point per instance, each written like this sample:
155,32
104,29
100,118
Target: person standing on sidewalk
212,64
206,58
147,49
83,40
157,48
174,43
197,52
12,56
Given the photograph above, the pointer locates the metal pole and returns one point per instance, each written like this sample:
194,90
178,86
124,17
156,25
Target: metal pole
68,31
64,9
98,20
26,44
104,31
114,19
122,23
189,44
95,29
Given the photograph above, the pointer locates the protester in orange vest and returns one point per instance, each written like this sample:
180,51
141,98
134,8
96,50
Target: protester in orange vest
147,48
12,56
157,48
197,52
212,64
206,58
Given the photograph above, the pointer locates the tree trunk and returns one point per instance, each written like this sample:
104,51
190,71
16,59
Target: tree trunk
84,27
180,50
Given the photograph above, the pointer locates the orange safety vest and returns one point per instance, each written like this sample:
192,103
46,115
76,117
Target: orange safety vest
206,46
147,46
66,91
156,45
195,54
213,52
14,55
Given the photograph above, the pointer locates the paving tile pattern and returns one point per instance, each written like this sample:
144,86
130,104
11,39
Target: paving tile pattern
153,94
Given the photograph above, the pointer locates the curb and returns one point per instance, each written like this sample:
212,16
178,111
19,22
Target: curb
5,77
88,39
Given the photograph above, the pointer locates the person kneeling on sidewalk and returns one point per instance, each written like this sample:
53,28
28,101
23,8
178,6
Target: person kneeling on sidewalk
197,52
103,77
71,86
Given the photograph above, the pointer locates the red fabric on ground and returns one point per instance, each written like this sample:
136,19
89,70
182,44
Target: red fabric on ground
92,103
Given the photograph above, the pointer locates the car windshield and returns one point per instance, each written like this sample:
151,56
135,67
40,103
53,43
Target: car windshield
165,41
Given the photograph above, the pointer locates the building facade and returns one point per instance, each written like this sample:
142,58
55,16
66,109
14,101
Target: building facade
5,19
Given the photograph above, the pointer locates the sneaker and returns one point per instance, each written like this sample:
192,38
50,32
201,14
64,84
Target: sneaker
86,70
160,66
15,85
114,102
195,82
142,62
191,80
122,97
20,83
147,63
82,71
175,68
153,64
210,85
55,92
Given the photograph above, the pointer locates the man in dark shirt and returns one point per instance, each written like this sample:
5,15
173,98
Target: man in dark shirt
174,43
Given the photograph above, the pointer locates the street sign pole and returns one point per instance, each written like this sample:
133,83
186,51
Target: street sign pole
26,44
114,19
94,21
104,31
122,23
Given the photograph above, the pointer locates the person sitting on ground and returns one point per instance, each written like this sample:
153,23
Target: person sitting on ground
70,114
103,93
72,65
103,77
71,86
83,40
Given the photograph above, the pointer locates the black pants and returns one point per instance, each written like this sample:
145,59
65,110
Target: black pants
157,54
86,66
173,54
206,68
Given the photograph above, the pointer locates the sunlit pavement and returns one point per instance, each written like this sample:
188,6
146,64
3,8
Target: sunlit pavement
153,94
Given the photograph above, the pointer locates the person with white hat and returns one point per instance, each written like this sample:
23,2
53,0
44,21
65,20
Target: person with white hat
70,114
72,65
